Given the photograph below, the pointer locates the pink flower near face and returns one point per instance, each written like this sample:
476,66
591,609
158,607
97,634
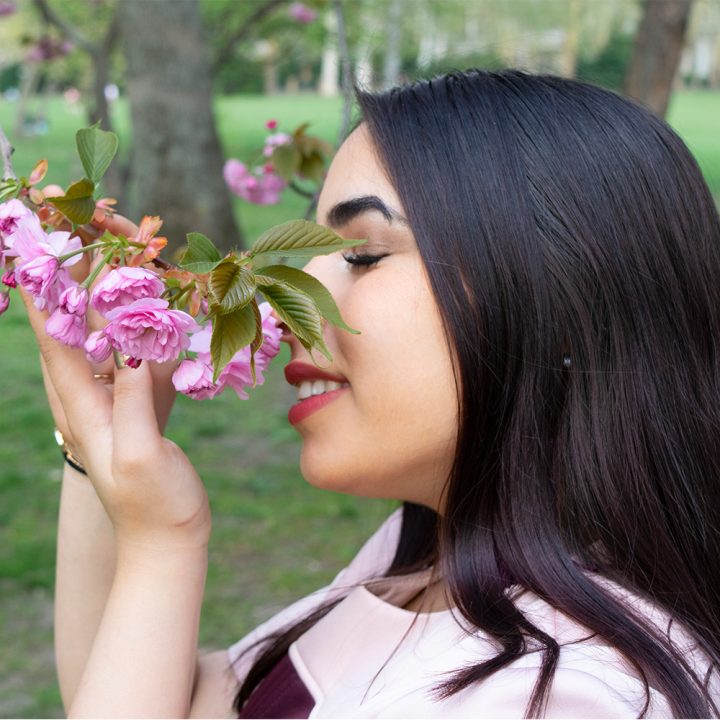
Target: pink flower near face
97,347
301,13
264,189
148,330
236,374
74,300
68,329
124,286
194,379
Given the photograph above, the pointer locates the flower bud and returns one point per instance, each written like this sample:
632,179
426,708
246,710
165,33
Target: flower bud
74,300
68,329
4,302
8,279
97,347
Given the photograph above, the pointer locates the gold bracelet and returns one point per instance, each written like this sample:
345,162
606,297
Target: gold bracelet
70,459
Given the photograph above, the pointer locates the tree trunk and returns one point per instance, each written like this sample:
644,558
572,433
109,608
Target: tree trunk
391,68
176,161
656,52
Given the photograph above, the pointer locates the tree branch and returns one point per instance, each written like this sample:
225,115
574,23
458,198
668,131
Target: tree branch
347,72
242,32
52,18
6,149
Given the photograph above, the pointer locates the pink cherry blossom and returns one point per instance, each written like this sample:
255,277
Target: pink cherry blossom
4,302
194,378
301,13
38,274
97,347
123,286
67,329
259,189
11,212
273,141
148,330
74,300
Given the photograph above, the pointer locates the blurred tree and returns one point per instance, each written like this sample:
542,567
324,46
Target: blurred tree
176,162
99,48
99,45
656,53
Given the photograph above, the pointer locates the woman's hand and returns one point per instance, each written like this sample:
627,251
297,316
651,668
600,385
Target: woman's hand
163,390
147,485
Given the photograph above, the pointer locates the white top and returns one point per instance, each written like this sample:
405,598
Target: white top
371,658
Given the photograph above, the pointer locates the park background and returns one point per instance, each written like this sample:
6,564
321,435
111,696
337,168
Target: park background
205,76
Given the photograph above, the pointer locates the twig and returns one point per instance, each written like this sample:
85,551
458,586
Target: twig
242,32
70,32
301,191
347,71
7,150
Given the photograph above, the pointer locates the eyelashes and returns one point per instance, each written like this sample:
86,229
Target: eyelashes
363,260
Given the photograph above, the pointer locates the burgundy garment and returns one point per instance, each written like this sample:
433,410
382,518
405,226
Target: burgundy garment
280,694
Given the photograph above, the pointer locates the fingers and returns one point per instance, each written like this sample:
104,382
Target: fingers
82,398
135,425
116,224
163,390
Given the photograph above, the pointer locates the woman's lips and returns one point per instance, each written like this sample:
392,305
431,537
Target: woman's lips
301,409
297,372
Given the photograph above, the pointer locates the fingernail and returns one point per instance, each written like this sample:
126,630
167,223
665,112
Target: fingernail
121,361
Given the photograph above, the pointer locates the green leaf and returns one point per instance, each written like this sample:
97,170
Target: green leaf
258,340
96,148
77,204
299,312
286,161
300,238
231,286
231,332
8,187
313,167
201,255
309,285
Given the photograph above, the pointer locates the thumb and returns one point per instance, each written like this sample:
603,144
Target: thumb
135,424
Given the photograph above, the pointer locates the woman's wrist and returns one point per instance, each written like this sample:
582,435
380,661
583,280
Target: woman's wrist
68,454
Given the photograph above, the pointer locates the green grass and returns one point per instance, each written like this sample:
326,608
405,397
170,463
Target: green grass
274,537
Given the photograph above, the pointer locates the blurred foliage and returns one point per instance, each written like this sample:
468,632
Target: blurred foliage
608,68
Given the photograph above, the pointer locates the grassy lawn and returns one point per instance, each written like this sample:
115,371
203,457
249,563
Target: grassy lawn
274,538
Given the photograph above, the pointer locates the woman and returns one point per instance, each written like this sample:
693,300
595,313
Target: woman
536,379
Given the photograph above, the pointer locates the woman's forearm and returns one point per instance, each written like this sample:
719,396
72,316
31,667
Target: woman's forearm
143,660
84,575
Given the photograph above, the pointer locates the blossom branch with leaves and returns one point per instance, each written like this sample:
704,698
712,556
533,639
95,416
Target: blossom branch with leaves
204,311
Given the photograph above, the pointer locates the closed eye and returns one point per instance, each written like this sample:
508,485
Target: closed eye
363,260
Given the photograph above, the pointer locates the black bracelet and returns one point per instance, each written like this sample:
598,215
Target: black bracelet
70,459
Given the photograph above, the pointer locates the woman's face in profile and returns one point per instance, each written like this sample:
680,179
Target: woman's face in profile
390,432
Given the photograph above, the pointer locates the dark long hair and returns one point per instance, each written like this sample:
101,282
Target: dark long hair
574,252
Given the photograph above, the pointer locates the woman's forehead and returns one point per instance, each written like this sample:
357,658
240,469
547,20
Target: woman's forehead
355,171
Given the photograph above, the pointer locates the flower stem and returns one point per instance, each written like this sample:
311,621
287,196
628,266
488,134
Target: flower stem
86,248
90,279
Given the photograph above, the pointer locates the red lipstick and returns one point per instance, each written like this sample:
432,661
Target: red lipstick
297,372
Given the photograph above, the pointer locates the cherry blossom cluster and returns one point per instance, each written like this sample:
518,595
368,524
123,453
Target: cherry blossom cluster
131,295
259,185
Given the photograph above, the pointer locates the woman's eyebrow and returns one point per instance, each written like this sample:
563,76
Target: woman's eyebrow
345,211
